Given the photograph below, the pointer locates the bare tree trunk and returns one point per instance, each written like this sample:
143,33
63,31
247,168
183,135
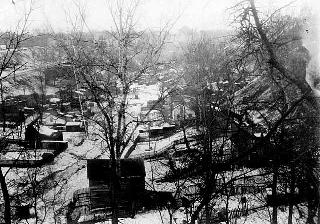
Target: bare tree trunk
274,194
318,219
227,208
3,107
5,193
291,192
207,209
312,211
114,189
43,97
196,213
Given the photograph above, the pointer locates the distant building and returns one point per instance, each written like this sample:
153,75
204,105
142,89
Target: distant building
52,120
181,111
92,106
151,115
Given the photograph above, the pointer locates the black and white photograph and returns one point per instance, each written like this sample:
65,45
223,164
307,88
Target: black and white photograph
159,112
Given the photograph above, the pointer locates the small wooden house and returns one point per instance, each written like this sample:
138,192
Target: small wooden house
99,172
93,204
131,184
75,126
95,200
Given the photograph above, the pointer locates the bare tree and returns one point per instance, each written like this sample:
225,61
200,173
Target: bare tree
107,68
13,41
268,68
280,57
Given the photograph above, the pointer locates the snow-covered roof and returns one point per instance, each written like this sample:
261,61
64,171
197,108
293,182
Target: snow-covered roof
50,119
54,100
73,123
167,125
46,130
155,128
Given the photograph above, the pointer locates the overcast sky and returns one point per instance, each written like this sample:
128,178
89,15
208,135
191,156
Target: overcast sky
195,14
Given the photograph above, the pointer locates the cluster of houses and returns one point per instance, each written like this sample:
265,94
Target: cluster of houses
167,110
69,122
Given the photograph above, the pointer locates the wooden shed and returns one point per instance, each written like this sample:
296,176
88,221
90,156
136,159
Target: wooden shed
131,171
131,183
75,126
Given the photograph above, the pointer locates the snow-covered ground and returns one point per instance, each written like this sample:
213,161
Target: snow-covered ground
68,173
148,149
